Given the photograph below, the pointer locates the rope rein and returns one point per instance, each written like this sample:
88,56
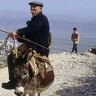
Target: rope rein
33,42
26,40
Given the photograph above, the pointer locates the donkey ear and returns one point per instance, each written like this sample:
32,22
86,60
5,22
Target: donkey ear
30,54
31,73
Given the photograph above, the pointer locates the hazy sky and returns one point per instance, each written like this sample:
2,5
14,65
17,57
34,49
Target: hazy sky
81,8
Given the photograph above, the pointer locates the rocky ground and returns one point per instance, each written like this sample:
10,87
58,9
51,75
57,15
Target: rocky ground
75,75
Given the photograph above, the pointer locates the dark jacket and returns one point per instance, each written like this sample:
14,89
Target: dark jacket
37,30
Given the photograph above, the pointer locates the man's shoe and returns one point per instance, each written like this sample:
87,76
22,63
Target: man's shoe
9,85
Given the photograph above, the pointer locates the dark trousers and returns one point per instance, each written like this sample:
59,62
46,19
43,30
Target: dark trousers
10,66
74,48
41,50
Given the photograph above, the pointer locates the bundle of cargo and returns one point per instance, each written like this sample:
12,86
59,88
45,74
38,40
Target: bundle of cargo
93,50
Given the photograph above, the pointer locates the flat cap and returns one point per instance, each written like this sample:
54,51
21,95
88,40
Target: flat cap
74,28
38,3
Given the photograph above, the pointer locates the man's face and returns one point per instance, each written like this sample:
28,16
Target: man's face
75,31
35,10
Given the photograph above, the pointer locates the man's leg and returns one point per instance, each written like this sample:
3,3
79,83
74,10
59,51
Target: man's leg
10,67
43,52
11,83
75,47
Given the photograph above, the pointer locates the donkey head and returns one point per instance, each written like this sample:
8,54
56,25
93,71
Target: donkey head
22,75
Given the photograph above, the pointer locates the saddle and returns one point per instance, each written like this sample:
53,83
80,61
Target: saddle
38,64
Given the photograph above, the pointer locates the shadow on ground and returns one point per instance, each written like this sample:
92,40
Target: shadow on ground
88,88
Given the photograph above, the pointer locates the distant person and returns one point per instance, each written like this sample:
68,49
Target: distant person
75,39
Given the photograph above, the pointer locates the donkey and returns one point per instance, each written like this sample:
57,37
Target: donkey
32,78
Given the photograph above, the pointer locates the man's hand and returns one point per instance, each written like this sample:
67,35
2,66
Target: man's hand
13,35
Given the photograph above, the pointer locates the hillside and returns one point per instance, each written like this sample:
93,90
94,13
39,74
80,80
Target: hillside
75,75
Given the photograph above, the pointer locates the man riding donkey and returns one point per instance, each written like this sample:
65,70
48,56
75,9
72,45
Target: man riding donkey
37,31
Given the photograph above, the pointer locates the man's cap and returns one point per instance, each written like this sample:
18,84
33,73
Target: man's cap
38,3
74,28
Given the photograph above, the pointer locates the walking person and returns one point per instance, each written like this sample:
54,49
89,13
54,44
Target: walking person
75,39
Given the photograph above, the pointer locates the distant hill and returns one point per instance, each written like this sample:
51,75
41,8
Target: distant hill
12,20
60,23
64,24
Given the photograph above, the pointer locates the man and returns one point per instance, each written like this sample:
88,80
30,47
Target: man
37,30
75,39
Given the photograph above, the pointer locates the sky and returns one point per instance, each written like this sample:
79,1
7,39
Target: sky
80,8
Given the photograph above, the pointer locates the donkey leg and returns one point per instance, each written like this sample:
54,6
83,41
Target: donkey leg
32,94
24,94
39,94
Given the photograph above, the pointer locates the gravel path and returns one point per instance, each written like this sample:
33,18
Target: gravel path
75,75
